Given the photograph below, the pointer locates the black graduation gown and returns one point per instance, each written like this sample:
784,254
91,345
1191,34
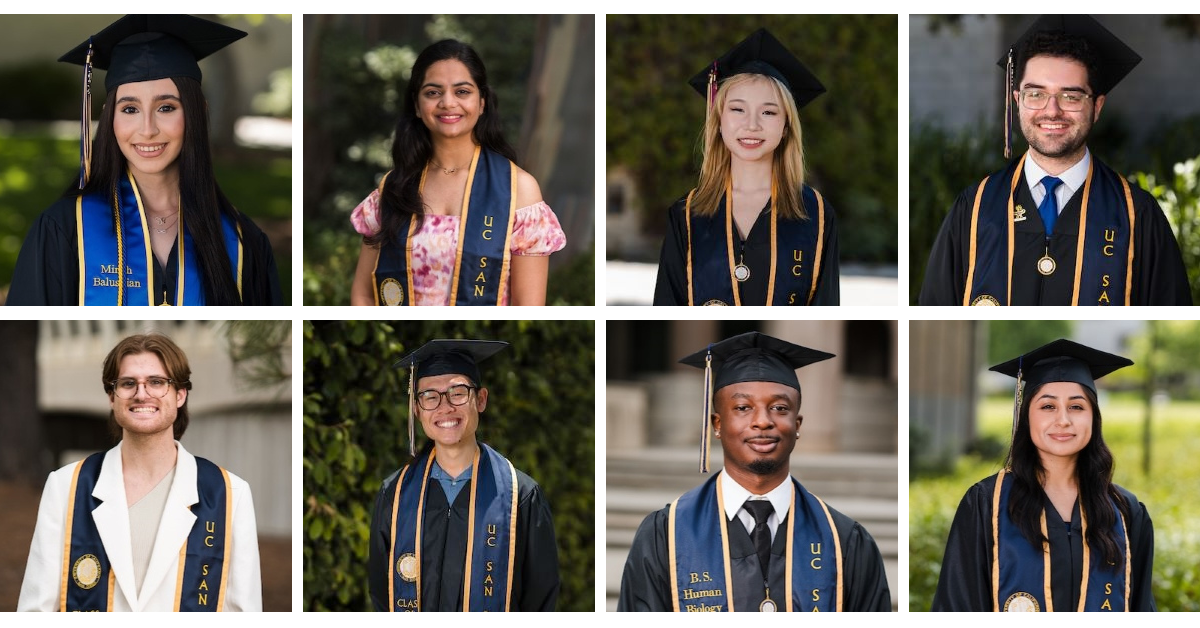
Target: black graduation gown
646,581
965,581
444,548
47,271
672,289
1159,277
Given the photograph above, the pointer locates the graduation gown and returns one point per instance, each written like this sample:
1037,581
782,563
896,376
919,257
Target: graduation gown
444,548
1159,277
672,289
646,581
965,581
47,271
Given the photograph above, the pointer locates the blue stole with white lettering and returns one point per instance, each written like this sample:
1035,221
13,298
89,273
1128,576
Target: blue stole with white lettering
1024,570
488,573
795,257
700,572
482,257
113,231
1103,252
87,574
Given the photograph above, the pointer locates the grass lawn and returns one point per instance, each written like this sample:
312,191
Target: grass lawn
1169,491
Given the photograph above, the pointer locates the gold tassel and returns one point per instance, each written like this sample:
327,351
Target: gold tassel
85,122
412,396
705,442
1008,101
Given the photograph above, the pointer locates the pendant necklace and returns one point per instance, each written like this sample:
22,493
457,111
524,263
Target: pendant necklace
160,221
741,272
768,605
1046,264
448,171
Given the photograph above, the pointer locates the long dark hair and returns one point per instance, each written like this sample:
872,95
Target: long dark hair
1093,473
198,191
412,146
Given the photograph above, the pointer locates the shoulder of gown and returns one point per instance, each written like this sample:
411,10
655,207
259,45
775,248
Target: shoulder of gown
645,581
671,286
47,268
864,576
964,582
1140,530
261,276
945,271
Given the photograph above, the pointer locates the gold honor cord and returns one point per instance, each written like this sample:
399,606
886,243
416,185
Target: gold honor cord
145,238
1129,263
226,566
670,556
996,541
66,569
512,537
687,221
816,271
774,242
791,535
466,599
1012,190
462,226
392,548
971,253
182,256
1046,567
1083,212
733,268
725,544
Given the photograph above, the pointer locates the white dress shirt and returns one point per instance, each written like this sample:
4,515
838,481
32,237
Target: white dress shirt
735,495
1072,178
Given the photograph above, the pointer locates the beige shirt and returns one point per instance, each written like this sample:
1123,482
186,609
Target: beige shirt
144,517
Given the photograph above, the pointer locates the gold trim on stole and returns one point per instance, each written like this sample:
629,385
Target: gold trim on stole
182,255
1047,593
506,259
1079,244
228,539
1012,190
733,282
66,570
462,227
1129,263
671,554
791,534
79,242
774,245
837,551
725,545
470,531
392,534
996,541
816,271
145,237
971,253
179,575
687,221
512,538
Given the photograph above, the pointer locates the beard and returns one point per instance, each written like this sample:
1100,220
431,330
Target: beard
1057,147
765,466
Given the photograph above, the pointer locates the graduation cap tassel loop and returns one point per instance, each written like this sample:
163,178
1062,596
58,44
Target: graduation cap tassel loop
712,85
1008,106
85,122
705,442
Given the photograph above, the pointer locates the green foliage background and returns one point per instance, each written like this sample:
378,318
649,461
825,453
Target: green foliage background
654,118
1168,493
541,416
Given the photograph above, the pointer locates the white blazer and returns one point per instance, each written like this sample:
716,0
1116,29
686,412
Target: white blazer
43,572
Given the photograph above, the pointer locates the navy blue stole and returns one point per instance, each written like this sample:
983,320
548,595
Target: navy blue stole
1103,253
711,263
112,233
488,573
482,257
1021,572
88,581
700,573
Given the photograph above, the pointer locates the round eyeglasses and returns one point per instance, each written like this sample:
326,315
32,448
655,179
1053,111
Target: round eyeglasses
457,395
127,387
1067,101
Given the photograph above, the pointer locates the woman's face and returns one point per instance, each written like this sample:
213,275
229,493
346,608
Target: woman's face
753,120
1060,419
449,101
148,124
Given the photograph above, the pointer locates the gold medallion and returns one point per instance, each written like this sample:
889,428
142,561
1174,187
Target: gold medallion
86,571
407,567
392,293
741,272
1046,265
985,299
1018,214
767,606
1021,602
716,302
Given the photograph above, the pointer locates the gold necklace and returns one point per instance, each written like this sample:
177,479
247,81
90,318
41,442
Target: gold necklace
446,170
162,220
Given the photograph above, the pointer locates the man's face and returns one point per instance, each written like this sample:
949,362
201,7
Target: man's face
143,413
758,423
448,425
1052,132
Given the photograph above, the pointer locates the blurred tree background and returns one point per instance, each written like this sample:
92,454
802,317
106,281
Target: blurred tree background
654,118
39,123
1158,152
1150,415
541,416
357,70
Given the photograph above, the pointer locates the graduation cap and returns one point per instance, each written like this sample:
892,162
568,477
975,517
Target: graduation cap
1059,361
749,357
760,53
444,357
139,48
1115,58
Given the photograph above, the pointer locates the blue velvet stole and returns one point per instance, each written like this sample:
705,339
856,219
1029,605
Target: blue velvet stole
701,577
795,259
482,259
110,236
1104,250
488,573
1023,572
87,573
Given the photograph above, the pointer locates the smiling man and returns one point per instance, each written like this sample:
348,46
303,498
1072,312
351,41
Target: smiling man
1057,226
146,526
459,528
752,538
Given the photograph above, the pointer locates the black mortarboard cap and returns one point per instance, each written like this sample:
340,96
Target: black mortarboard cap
761,53
1116,59
1062,361
444,357
749,357
150,47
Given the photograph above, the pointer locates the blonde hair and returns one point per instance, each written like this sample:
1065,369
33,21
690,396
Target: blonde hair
788,163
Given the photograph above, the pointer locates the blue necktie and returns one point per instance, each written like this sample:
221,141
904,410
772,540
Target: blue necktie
1049,205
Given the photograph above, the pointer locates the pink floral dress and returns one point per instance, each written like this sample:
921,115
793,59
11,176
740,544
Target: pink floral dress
535,232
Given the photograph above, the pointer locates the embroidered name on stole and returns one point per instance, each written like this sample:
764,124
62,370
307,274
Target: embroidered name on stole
1022,573
88,579
492,520
795,259
109,237
701,577
1103,252
482,259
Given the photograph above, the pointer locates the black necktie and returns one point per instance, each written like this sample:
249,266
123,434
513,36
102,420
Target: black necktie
761,535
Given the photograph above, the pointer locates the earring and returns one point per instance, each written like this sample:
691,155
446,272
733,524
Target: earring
717,434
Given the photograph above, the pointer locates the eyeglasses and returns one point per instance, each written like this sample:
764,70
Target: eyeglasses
1067,101
127,387
457,395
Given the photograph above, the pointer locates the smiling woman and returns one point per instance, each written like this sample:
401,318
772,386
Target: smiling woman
147,223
